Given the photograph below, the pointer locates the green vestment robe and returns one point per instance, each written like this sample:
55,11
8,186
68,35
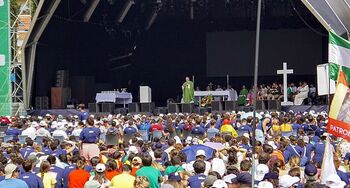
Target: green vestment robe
188,92
242,97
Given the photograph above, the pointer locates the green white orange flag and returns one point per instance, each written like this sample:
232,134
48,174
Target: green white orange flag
338,56
339,114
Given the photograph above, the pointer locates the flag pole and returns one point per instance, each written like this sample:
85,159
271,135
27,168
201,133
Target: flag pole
255,87
329,88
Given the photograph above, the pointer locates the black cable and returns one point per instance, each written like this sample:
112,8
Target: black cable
304,21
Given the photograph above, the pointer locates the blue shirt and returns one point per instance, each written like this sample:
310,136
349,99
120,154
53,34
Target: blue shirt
319,151
196,180
90,135
13,131
297,151
245,129
309,149
46,150
59,172
83,115
198,131
32,180
130,130
58,152
145,126
343,176
26,151
13,183
66,173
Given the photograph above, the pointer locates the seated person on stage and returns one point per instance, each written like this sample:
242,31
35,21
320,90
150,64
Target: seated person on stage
303,94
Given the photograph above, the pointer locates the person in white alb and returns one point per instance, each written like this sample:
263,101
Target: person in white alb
303,94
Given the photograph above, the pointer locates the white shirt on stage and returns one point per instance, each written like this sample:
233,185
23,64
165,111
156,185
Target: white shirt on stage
303,94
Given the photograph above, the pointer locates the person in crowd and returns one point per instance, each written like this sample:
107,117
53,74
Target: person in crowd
123,180
78,177
12,180
291,147
32,180
89,137
49,180
153,175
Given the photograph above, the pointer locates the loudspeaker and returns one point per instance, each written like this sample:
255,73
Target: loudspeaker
59,97
41,103
173,107
260,105
134,107
216,106
148,107
108,107
187,107
92,107
202,110
122,111
274,105
160,110
230,105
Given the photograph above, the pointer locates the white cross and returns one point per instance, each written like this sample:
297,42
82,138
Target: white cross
285,71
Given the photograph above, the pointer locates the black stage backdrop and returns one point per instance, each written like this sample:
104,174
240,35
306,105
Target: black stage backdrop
232,53
165,55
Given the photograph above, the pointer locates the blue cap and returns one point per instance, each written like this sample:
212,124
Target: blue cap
310,170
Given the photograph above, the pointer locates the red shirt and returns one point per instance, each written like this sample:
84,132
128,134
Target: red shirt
78,178
133,171
156,127
111,174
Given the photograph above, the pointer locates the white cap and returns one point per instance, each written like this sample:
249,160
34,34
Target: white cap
200,153
34,124
260,172
100,167
42,123
286,181
219,184
177,139
265,184
189,139
272,143
228,178
48,115
54,124
306,139
334,181
133,149
218,165
246,135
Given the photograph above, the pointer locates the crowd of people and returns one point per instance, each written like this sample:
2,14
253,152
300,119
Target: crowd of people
213,150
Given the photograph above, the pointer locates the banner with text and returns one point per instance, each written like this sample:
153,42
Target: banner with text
339,114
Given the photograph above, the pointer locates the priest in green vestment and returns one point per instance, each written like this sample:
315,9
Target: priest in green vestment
188,91
242,98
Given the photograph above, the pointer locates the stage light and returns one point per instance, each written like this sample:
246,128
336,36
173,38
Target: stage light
125,10
154,14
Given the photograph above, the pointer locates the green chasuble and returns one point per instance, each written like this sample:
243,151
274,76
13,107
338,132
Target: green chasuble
187,92
242,96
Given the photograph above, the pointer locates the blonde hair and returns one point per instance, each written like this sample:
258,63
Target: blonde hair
294,162
141,182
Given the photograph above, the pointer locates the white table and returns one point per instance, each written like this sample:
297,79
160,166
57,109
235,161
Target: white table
114,97
230,95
